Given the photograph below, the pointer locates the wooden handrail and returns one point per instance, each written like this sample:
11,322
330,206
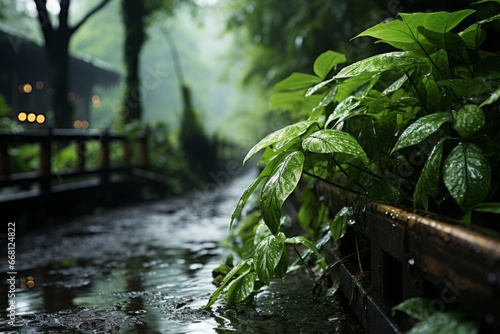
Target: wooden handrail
47,138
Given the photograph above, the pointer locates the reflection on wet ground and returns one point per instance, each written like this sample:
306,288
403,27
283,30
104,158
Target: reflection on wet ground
147,269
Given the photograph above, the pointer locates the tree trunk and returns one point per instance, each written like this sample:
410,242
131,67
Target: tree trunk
133,18
57,49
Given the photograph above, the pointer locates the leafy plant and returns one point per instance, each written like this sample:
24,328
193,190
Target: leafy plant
432,321
416,126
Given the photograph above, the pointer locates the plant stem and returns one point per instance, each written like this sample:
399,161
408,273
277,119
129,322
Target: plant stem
334,184
303,262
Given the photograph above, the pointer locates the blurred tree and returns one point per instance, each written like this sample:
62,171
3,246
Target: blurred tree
289,35
136,17
57,39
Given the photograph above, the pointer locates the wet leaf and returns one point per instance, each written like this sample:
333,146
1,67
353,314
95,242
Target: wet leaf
327,61
285,133
334,141
297,81
488,207
421,129
416,307
446,323
443,21
469,120
493,98
241,268
343,108
467,175
473,36
443,40
282,267
278,187
401,34
267,256
303,241
241,288
398,61
428,181
338,226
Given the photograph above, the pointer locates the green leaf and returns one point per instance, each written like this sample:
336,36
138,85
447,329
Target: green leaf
334,141
278,187
401,34
241,288
443,40
398,61
416,307
326,62
467,175
297,81
421,129
490,19
488,207
267,256
282,267
244,198
427,183
343,108
240,269
303,241
288,132
443,21
493,98
338,226
469,120
473,36
454,322
483,1
466,87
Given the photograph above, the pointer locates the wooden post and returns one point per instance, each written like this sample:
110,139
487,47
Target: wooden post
105,158
4,160
81,155
45,166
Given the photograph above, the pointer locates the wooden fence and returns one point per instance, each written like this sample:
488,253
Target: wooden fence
47,139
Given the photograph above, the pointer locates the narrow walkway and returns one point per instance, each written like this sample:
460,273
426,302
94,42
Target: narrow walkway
147,269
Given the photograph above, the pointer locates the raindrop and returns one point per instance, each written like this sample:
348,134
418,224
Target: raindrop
446,239
393,226
333,318
411,262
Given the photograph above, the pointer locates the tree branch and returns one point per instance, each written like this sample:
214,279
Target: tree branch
43,19
89,14
63,14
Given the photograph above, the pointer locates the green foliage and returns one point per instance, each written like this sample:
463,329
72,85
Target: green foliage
433,321
416,125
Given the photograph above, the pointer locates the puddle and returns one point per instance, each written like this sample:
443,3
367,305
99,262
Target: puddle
147,269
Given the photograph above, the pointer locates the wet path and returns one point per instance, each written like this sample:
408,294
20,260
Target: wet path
147,269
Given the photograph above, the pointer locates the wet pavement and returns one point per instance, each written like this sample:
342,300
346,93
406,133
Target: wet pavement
147,269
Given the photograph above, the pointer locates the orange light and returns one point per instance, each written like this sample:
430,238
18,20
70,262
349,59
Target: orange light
85,125
40,118
39,85
96,101
77,124
31,117
27,88
22,116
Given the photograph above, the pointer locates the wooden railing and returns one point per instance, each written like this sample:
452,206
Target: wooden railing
48,139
